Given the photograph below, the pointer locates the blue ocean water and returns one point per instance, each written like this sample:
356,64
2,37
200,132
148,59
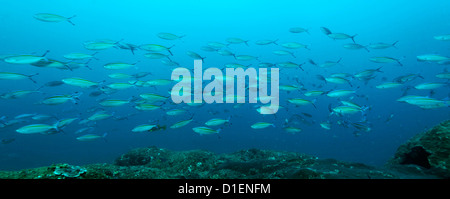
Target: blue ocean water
414,24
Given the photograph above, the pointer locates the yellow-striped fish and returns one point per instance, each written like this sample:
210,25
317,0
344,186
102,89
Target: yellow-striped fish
60,99
101,115
120,86
261,125
387,85
217,121
144,128
155,48
113,102
118,66
147,107
181,124
99,45
16,76
17,94
301,102
38,128
47,17
205,130
80,82
91,137
428,86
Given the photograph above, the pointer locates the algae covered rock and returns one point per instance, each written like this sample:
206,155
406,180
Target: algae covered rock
56,171
158,163
69,171
423,151
170,164
142,156
428,151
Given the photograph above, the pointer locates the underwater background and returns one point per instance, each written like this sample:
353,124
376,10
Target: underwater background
414,24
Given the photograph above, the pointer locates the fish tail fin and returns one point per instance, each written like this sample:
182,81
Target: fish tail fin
93,54
365,108
101,84
76,97
134,84
364,113
405,90
69,19
87,66
56,126
293,55
246,42
229,118
349,83
168,58
393,44
46,52
168,49
321,77
30,77
104,137
353,38
325,30
313,102
228,123
300,66
117,42
218,130
39,88
68,67
74,100
379,69
70,22
312,62
88,62
133,99
275,42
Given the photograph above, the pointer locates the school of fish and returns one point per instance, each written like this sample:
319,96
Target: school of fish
122,76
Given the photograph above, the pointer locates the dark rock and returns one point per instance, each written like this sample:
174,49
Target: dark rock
428,152
426,156
142,156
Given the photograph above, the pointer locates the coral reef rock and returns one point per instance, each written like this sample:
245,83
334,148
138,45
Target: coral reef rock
157,163
427,152
426,155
